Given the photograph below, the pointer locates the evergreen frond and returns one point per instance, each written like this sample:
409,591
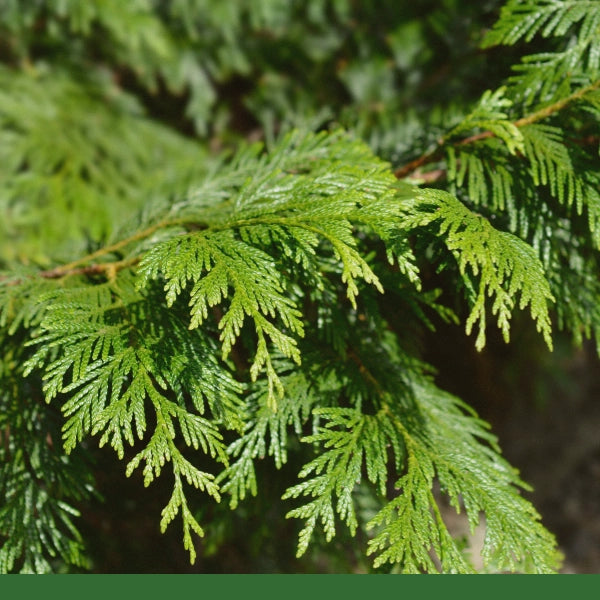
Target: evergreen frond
266,432
492,263
410,530
302,214
120,374
338,470
490,115
551,164
487,176
73,142
22,299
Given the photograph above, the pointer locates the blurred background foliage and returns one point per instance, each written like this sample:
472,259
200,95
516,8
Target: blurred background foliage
107,106
99,100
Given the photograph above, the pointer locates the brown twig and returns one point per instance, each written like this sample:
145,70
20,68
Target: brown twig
110,268
534,117
73,267
78,267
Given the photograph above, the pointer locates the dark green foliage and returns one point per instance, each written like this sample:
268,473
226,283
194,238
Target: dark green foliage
39,484
204,304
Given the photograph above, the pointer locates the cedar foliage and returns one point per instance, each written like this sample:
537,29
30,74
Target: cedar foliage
201,311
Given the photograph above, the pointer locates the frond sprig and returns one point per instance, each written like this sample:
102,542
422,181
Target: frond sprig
116,367
267,431
349,439
492,263
473,476
409,529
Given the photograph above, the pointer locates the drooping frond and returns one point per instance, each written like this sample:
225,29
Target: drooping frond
266,432
409,528
575,284
335,473
126,370
550,164
519,187
492,263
